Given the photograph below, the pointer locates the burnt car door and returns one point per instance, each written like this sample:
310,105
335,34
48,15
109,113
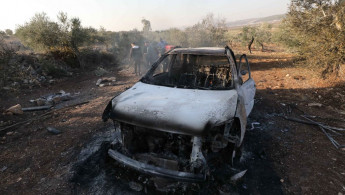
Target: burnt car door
247,84
245,90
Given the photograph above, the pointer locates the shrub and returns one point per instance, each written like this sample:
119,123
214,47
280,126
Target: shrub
66,55
6,54
96,57
51,68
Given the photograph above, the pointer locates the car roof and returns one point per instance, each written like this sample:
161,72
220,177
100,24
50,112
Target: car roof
217,51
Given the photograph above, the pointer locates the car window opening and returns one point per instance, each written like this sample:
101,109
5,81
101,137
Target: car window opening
192,72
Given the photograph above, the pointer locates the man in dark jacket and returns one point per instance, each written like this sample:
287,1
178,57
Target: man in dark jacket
136,55
151,54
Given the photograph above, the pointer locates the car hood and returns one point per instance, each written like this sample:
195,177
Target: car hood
175,110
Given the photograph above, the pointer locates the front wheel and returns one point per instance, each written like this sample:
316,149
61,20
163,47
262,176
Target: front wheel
232,154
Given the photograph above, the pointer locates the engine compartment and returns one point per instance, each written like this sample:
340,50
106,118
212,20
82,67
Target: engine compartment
181,153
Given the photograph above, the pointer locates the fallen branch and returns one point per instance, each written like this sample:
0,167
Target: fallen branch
322,127
311,122
334,142
27,121
77,104
40,116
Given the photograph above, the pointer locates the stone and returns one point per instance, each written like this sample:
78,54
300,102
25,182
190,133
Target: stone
16,109
99,81
9,133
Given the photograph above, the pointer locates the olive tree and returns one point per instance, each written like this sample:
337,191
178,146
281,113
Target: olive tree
9,32
40,33
209,32
318,27
260,34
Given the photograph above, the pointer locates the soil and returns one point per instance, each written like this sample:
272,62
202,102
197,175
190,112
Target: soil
280,156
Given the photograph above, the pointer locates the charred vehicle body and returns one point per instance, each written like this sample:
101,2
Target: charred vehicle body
191,106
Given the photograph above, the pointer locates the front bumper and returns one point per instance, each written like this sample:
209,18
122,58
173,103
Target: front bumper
154,170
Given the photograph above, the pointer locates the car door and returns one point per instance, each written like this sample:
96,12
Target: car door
248,87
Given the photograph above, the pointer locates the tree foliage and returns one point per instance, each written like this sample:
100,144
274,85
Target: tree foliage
317,29
261,34
40,33
286,37
60,38
209,32
264,35
9,32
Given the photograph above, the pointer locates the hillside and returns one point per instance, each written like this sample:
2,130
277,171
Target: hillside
255,21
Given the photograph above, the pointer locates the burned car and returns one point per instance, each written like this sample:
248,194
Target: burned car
189,108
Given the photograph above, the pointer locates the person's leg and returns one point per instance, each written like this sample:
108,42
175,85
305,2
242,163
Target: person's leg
139,68
135,67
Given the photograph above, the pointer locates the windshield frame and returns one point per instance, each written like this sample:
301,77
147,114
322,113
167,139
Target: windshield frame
149,76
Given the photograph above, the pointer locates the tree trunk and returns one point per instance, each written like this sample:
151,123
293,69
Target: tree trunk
77,53
250,45
262,47
331,69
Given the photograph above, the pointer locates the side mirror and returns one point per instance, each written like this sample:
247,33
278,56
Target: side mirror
243,72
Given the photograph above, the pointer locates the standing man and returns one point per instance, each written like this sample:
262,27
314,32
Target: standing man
161,46
136,55
145,54
152,54
161,49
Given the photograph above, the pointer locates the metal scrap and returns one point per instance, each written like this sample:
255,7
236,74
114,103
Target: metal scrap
135,186
238,176
36,108
53,130
41,116
3,168
253,127
107,81
52,99
315,105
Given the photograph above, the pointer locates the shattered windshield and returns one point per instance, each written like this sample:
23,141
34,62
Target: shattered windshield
192,72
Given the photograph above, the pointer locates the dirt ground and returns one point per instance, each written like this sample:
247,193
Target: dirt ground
280,156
